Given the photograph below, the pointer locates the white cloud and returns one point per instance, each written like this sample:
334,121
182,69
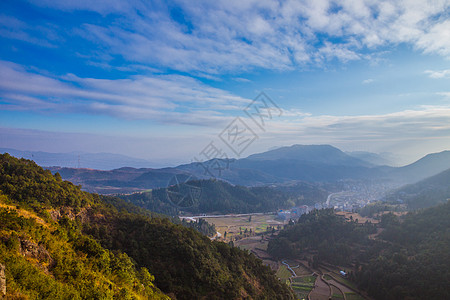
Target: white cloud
13,28
367,81
436,39
163,98
445,94
426,129
240,79
438,74
415,132
233,36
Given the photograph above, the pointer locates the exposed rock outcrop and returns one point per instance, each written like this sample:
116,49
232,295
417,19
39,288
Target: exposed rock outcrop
33,250
2,281
69,212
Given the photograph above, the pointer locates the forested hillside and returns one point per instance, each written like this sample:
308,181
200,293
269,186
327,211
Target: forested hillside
409,259
217,196
76,245
325,233
415,260
50,258
425,193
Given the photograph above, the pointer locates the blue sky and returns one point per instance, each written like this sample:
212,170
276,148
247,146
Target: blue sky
160,80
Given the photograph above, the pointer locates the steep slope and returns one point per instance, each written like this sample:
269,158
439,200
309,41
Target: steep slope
223,198
414,262
427,166
187,264
49,259
425,193
103,247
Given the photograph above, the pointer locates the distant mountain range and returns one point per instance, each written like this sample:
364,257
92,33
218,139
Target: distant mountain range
98,161
377,159
123,180
427,166
307,163
320,154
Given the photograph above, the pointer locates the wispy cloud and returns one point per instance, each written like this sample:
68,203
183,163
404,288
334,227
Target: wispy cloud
172,45
400,131
445,94
438,74
408,132
43,35
164,98
240,79
213,37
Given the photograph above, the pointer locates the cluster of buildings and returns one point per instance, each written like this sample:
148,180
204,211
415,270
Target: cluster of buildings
353,196
346,201
294,213
338,203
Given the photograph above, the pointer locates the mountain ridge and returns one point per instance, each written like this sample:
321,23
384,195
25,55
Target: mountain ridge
276,166
97,161
429,165
425,193
326,154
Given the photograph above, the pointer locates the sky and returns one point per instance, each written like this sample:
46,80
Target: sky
171,81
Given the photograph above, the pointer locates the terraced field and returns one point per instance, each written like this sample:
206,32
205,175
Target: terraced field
283,273
303,285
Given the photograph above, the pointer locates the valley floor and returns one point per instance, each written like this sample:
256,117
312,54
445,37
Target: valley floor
322,283
233,227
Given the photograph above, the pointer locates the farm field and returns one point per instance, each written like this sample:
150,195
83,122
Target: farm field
252,243
300,291
301,285
233,225
336,293
283,273
299,268
340,280
304,283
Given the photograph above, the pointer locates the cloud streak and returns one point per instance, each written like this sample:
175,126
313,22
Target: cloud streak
213,37
164,98
428,121
401,131
413,133
438,74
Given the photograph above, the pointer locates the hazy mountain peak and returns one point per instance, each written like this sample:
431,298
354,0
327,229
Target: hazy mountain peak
325,154
379,159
